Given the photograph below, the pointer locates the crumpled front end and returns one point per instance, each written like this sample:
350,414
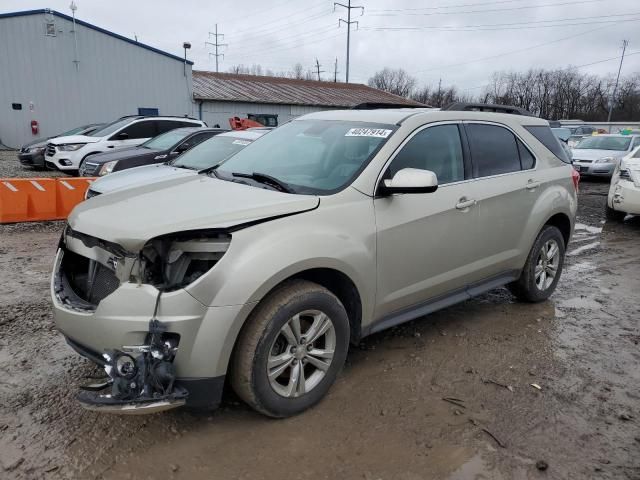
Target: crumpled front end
128,312
624,194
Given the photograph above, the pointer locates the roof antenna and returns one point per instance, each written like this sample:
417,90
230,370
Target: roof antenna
73,7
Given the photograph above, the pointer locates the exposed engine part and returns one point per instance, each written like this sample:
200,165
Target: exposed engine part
175,261
139,376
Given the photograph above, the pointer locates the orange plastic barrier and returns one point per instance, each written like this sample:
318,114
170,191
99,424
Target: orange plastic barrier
36,199
70,192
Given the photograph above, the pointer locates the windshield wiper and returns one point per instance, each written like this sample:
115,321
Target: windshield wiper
266,179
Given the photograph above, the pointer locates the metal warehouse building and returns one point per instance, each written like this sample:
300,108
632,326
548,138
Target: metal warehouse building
219,96
62,74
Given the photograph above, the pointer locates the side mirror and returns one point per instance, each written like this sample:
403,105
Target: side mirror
183,147
122,136
410,180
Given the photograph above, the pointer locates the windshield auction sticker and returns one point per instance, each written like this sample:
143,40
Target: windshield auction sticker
241,142
368,132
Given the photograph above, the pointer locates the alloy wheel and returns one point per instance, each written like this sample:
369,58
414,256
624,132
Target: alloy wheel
301,353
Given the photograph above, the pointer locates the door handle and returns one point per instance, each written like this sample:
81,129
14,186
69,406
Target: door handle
532,185
464,203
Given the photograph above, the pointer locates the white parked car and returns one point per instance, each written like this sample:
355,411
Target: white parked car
68,153
624,193
206,155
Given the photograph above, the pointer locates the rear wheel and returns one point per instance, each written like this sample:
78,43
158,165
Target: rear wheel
291,349
543,268
612,214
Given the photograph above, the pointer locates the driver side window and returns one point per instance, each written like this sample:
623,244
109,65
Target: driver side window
437,149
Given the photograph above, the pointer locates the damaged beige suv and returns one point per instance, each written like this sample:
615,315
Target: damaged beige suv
260,272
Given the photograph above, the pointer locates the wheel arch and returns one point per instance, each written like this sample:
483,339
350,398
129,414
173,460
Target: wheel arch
563,223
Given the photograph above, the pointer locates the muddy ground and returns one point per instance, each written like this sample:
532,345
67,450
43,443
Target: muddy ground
386,417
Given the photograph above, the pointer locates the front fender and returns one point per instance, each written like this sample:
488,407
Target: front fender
337,235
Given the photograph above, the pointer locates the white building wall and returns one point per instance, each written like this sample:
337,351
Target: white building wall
113,78
219,112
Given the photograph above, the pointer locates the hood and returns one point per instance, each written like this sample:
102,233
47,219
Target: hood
39,142
139,176
132,216
585,154
123,153
74,139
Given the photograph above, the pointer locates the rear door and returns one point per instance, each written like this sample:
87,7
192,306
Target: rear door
426,242
133,134
508,188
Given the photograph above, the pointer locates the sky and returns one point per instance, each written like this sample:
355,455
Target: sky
461,42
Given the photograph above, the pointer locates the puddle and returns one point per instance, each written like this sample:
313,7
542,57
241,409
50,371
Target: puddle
580,303
475,469
587,228
583,248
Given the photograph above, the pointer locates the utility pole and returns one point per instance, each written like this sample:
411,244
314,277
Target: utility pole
318,71
615,88
348,22
216,44
335,71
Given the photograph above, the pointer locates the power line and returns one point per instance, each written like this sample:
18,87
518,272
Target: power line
570,67
348,22
285,39
512,24
444,6
512,51
283,22
216,44
297,43
486,10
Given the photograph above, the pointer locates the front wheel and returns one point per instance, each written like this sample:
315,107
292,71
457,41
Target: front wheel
291,349
543,268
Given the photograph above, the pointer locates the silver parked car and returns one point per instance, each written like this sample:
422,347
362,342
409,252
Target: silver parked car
600,154
332,227
205,155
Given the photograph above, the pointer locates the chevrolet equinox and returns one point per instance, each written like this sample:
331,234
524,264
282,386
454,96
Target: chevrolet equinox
259,272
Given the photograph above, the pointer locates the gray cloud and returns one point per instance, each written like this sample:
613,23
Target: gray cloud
460,41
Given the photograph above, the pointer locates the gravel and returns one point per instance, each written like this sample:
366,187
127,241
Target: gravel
10,167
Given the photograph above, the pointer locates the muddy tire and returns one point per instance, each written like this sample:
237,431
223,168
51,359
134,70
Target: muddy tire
543,268
612,214
291,349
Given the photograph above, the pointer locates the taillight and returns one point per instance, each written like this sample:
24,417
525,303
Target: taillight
575,176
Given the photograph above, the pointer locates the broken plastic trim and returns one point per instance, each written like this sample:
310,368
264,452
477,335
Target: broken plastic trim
141,377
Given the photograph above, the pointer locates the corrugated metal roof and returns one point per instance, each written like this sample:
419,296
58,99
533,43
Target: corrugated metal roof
231,87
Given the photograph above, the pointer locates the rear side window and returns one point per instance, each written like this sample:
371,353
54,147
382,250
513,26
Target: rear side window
527,160
143,129
168,125
435,148
545,136
493,150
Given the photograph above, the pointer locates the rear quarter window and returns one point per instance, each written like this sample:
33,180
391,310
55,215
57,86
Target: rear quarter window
545,136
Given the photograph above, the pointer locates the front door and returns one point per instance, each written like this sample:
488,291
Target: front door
426,242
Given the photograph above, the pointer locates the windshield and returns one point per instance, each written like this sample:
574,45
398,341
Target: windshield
619,144
110,128
311,156
210,152
73,131
166,140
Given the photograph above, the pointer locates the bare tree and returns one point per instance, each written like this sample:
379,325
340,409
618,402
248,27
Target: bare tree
393,81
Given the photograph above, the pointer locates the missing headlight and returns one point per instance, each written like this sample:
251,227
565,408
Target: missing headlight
175,261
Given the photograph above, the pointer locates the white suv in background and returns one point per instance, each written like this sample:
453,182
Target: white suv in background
67,153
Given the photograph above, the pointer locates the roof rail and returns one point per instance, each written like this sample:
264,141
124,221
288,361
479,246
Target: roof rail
487,107
156,116
378,105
